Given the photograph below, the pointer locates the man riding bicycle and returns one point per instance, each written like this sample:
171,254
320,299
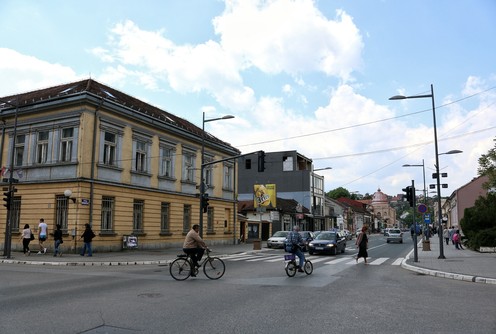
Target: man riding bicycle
194,245
293,242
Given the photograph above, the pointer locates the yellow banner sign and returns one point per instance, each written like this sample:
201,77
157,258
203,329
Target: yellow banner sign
264,195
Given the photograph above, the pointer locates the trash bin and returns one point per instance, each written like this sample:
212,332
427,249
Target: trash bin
426,245
257,244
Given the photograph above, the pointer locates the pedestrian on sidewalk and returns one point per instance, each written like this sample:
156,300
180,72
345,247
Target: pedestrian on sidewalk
87,237
57,237
26,237
446,236
42,236
451,232
362,245
457,239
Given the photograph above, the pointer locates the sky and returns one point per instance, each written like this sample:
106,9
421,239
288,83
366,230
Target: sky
310,76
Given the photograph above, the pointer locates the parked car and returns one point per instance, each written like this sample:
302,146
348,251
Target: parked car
394,234
277,240
328,242
386,231
347,235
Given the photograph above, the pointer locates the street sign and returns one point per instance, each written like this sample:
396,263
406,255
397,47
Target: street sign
422,208
427,218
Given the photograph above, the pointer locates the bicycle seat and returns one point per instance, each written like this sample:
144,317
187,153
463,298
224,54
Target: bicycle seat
182,255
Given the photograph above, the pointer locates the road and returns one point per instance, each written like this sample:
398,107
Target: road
254,296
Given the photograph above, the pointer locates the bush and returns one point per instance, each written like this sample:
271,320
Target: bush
484,238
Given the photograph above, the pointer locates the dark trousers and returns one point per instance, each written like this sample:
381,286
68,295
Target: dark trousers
25,245
447,241
195,253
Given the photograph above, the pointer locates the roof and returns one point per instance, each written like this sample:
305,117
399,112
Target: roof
94,88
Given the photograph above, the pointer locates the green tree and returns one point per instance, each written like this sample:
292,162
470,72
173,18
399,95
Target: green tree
338,192
487,166
479,222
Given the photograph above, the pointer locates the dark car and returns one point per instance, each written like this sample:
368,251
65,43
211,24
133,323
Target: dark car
327,242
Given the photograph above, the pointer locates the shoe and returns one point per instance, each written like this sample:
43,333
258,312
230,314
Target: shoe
300,270
81,254
29,253
44,250
39,252
60,254
54,255
193,275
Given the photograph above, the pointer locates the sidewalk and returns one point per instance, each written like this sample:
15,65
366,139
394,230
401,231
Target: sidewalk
465,265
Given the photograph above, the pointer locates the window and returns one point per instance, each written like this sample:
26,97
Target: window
228,177
140,163
42,147
66,144
108,204
109,149
165,217
248,164
62,212
138,207
210,219
188,167
19,150
166,162
15,212
186,218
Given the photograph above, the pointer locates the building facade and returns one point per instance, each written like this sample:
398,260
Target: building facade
87,153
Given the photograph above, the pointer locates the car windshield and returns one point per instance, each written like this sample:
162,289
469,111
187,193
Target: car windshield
395,231
281,234
326,236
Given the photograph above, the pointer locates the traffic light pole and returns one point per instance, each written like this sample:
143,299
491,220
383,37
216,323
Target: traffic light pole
8,222
413,200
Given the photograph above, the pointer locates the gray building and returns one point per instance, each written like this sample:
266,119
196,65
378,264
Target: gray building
292,174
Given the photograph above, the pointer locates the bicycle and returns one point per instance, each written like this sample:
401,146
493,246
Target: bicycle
182,267
291,266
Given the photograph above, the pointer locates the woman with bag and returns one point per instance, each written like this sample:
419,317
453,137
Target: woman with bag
87,237
26,237
362,245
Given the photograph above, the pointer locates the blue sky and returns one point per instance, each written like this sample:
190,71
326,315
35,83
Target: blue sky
311,76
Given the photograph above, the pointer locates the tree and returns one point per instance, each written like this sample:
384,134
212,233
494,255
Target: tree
479,222
338,193
487,166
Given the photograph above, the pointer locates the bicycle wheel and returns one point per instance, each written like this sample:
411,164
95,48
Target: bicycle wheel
214,268
180,269
291,268
308,267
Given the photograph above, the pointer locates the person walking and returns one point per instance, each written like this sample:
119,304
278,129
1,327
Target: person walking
26,237
457,239
451,232
446,236
42,236
87,237
362,245
57,237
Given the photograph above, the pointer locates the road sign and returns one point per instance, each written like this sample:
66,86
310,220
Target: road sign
427,218
422,208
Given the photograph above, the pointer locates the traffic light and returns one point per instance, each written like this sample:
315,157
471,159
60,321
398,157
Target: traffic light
261,161
205,202
410,195
7,198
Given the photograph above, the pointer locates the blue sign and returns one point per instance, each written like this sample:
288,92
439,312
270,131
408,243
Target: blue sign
427,218
422,208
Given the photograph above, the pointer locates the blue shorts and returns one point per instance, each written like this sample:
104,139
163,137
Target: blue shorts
42,237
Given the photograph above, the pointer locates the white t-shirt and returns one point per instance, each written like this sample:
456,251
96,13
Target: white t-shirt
43,228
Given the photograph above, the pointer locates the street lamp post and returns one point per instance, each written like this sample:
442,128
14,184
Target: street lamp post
202,181
440,217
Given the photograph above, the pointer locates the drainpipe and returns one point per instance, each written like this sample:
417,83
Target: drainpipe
93,152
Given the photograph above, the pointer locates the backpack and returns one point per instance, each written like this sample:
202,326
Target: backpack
456,237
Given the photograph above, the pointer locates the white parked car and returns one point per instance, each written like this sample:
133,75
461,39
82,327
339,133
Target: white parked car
277,240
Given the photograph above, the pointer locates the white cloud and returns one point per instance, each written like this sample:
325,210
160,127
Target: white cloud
22,73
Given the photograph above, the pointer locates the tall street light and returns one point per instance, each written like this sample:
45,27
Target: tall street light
423,170
202,181
440,216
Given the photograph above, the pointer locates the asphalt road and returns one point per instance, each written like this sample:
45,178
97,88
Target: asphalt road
254,296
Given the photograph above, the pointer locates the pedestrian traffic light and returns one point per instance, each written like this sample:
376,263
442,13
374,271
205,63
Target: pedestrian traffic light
261,161
410,195
205,202
7,198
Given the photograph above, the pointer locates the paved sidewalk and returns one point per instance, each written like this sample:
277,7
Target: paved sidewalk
465,265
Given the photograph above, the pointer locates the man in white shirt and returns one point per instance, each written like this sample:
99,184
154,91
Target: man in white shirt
42,235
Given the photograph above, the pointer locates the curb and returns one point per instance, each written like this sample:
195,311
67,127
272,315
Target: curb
88,264
442,274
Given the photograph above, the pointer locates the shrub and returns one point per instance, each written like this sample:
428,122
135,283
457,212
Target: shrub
483,238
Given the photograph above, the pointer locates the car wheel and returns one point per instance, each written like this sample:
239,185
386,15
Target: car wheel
387,241
401,241
310,252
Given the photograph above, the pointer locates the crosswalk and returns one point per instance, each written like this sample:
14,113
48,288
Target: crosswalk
326,260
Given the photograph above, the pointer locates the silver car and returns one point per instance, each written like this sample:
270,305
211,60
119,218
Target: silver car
394,234
277,240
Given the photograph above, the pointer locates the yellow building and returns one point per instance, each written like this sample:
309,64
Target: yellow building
87,153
